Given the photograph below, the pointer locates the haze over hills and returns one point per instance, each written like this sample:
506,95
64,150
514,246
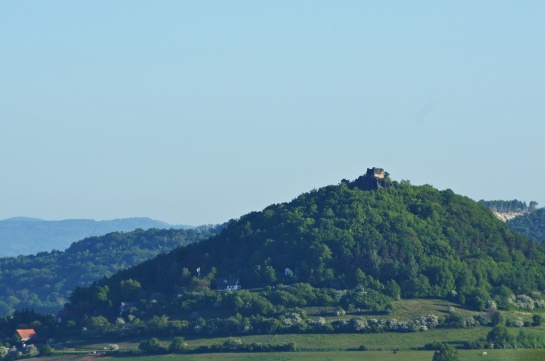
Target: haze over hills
23,235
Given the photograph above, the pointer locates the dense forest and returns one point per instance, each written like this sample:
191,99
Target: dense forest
531,224
44,281
399,241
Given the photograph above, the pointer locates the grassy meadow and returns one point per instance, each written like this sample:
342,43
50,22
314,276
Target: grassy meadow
465,355
333,346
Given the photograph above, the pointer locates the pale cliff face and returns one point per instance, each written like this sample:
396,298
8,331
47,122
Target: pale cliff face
507,216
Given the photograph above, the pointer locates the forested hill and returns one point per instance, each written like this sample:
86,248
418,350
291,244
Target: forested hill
22,235
430,242
531,224
44,281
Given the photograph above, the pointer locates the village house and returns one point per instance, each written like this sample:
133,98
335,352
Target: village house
228,284
25,335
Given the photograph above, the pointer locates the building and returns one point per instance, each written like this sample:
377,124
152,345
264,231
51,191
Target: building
228,284
25,334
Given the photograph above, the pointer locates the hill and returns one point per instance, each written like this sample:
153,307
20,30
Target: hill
44,281
391,238
22,235
531,225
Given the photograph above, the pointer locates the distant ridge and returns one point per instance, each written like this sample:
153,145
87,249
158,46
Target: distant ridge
25,235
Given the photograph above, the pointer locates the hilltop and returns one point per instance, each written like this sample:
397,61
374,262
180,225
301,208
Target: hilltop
24,235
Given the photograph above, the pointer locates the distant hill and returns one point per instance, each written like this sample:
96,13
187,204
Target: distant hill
530,224
44,281
392,237
527,220
21,235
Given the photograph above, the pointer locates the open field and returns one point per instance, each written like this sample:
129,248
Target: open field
333,346
466,355
323,342
316,342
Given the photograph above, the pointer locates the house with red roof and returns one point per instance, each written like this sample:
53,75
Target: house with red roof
25,334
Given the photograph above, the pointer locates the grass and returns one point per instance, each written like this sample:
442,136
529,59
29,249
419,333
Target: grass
344,341
318,347
466,355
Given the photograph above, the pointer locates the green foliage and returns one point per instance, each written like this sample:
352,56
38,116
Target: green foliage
392,289
508,206
500,336
478,299
537,320
44,281
531,225
45,350
178,345
151,346
446,352
345,247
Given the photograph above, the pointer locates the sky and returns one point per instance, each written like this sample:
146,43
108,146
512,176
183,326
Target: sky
197,112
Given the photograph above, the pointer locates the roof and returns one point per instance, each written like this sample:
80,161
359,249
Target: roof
26,333
223,282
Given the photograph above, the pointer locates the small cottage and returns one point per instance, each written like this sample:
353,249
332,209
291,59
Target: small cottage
228,284
25,334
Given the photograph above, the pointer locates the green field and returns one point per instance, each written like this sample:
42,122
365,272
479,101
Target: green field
465,355
335,346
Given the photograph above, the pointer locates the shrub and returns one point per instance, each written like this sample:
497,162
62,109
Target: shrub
151,346
500,336
45,350
178,345
390,308
446,353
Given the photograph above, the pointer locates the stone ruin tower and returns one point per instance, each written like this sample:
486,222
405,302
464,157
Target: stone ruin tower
373,179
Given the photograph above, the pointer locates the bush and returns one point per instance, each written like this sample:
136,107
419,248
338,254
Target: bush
454,320
432,346
537,320
178,345
390,308
151,346
363,348
291,347
45,350
500,336
446,353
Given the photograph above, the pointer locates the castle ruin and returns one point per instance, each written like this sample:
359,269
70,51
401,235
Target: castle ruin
373,179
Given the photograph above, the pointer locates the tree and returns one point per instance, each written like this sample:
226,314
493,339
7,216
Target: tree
537,320
478,299
130,289
178,345
393,290
500,336
45,350
150,346
199,285
446,353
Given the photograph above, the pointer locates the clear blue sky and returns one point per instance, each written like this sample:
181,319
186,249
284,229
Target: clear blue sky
197,112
